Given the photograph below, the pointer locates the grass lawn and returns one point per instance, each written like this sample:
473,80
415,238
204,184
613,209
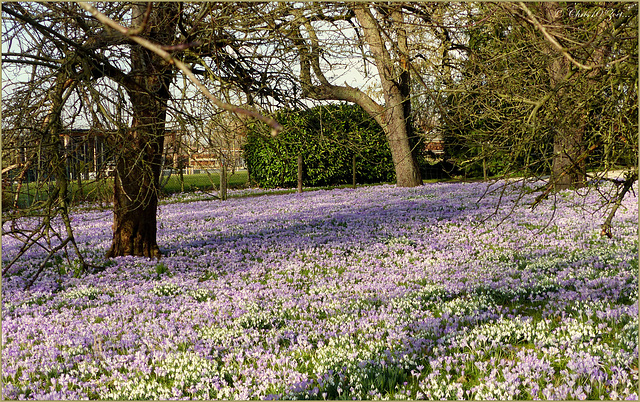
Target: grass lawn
205,182
102,190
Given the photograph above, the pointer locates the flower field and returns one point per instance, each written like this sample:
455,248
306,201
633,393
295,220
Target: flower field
374,293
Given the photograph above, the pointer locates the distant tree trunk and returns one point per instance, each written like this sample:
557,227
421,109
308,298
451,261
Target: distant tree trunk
177,161
569,167
136,184
79,179
224,181
353,171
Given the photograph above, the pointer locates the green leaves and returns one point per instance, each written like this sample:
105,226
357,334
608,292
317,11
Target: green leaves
327,137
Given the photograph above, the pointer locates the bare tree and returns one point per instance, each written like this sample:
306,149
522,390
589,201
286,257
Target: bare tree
138,61
574,48
34,142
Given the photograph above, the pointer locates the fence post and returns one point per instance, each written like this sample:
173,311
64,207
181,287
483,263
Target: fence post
353,170
299,173
223,180
484,163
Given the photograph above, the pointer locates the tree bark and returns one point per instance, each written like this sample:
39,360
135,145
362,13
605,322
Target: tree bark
395,85
394,76
138,165
135,199
353,171
404,161
568,168
299,173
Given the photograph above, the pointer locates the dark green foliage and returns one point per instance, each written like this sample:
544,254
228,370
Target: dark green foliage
327,137
511,100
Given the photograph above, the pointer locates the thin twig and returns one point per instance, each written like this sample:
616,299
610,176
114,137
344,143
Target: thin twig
180,46
551,39
43,265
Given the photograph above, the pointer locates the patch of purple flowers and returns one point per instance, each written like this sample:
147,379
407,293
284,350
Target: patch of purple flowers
374,293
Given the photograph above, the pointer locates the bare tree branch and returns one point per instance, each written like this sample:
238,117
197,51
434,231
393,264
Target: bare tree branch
551,39
157,49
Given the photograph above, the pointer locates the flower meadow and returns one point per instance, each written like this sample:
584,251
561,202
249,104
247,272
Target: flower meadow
374,293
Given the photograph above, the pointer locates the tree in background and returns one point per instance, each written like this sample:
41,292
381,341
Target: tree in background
534,106
550,89
319,39
584,43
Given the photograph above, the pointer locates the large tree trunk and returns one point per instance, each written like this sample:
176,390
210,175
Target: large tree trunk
135,201
395,80
568,167
404,160
394,115
138,164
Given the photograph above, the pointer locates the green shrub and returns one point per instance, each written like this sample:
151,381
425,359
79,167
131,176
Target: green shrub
327,137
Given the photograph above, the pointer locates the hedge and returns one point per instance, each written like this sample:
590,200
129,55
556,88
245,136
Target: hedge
327,137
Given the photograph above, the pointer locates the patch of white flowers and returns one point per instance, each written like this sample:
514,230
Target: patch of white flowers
353,358
587,308
499,333
401,240
498,391
467,306
179,374
201,295
434,388
166,289
220,335
257,318
84,291
407,304
628,337
424,299
571,330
